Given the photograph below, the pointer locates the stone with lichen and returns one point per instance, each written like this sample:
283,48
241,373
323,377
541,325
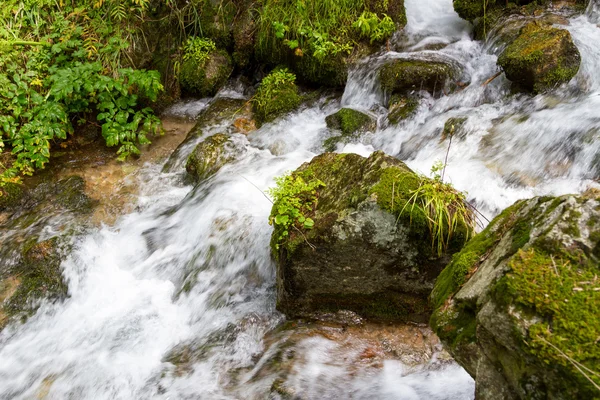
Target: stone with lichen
369,251
540,58
518,307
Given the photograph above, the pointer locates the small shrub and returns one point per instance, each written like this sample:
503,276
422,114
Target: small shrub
277,94
293,199
198,49
374,28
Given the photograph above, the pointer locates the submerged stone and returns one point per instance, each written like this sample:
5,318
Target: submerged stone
350,123
519,306
540,58
366,253
210,156
401,108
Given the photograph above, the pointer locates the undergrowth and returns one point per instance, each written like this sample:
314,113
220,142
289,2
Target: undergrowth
68,63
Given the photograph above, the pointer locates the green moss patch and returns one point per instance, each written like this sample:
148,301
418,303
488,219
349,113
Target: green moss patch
541,57
562,288
10,195
406,75
276,95
351,123
39,277
204,69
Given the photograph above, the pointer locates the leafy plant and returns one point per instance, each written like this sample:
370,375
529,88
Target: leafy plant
293,200
277,93
374,28
446,209
198,49
65,62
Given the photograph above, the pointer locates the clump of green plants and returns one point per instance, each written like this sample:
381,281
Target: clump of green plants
373,27
204,69
64,65
198,49
276,95
446,209
294,198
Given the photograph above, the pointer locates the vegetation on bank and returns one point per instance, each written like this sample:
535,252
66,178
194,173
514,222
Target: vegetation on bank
315,38
64,64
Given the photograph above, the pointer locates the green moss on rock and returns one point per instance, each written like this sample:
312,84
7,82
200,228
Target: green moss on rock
367,252
39,276
209,157
523,298
317,41
401,76
10,195
351,123
541,58
205,77
276,95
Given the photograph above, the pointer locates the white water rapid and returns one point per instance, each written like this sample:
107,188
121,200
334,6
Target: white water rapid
174,300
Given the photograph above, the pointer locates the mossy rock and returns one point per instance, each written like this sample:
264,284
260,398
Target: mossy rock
401,107
350,123
366,253
541,58
209,157
519,306
221,111
37,276
206,77
274,100
10,196
402,76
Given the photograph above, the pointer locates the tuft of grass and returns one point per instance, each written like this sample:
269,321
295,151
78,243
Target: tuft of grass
446,209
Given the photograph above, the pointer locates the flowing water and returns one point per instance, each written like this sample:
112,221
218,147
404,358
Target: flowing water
176,300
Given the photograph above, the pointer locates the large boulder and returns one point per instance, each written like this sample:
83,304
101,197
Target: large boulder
369,250
519,306
540,58
404,75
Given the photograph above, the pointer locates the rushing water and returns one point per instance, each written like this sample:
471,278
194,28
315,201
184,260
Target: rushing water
174,300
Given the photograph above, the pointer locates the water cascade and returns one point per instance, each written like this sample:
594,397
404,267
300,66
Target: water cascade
176,300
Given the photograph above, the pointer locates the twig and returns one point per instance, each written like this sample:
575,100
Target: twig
447,152
580,367
259,189
497,74
312,246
